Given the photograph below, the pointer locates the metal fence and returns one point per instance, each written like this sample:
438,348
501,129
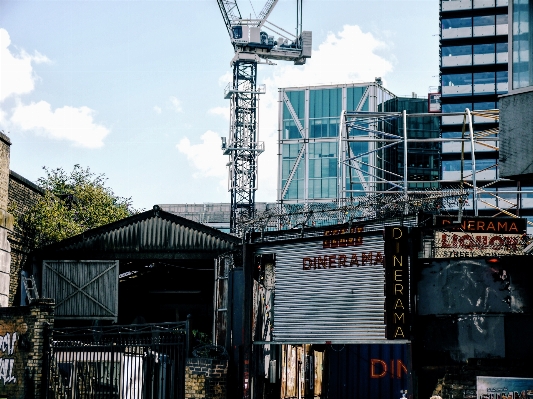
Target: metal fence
126,362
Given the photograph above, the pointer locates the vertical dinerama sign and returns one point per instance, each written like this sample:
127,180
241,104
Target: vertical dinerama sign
397,282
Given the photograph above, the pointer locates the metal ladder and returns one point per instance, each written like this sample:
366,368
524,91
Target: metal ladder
31,288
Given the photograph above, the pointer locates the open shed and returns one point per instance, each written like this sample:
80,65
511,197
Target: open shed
149,268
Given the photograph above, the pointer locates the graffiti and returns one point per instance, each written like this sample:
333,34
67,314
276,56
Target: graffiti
10,333
6,371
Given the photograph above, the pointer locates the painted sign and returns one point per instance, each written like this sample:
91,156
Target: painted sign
504,388
343,242
397,282
369,371
486,225
465,245
434,102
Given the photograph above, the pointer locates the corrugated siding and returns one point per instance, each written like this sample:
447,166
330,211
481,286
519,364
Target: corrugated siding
82,289
369,371
336,303
154,234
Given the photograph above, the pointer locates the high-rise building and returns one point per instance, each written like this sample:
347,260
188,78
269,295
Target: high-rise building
309,138
474,71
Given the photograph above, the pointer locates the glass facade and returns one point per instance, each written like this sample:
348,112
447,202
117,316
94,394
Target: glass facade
522,44
309,139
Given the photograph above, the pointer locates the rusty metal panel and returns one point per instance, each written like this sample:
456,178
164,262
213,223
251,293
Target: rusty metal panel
82,289
328,293
222,266
302,372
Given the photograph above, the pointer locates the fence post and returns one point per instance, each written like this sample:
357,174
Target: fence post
188,332
45,376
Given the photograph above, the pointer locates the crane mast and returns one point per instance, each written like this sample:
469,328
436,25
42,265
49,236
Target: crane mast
253,44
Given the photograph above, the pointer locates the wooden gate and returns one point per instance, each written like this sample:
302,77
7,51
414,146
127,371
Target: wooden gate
127,362
85,289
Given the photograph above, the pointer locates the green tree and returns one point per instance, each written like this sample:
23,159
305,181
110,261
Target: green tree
73,203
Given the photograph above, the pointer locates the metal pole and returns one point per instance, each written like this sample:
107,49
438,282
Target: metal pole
404,117
471,129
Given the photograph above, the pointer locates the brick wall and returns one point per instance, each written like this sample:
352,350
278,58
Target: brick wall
22,349
205,378
23,194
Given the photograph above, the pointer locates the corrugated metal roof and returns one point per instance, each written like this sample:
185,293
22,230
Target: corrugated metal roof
154,231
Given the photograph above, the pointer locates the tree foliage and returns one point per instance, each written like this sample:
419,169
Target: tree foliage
73,203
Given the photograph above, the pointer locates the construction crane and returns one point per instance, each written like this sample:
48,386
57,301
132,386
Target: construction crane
254,43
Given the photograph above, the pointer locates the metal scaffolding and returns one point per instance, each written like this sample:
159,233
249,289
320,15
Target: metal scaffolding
371,185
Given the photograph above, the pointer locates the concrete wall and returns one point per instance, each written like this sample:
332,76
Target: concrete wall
516,136
22,349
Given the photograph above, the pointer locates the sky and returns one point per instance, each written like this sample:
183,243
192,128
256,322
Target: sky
134,89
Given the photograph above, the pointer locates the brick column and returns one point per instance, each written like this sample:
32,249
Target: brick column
6,221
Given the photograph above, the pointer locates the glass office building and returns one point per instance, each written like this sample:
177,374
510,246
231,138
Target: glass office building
474,73
521,63
309,137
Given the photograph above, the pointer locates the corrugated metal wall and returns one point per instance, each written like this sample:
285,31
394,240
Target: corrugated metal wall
329,294
368,371
82,289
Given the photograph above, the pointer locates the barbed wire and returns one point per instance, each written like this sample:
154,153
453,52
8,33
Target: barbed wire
359,208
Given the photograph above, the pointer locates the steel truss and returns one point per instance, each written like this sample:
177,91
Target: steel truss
243,147
377,178
384,190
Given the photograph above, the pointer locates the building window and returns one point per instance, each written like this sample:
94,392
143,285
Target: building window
323,167
456,55
453,28
324,127
502,53
297,100
522,43
354,96
484,83
502,82
325,103
459,84
484,54
289,155
484,25
448,108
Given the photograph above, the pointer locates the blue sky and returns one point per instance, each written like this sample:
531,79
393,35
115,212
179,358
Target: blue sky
134,89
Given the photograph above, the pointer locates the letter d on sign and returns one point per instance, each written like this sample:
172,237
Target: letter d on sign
397,233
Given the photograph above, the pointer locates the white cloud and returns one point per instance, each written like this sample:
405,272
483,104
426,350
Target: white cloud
206,157
66,123
345,57
225,79
16,74
176,104
350,55
157,109
221,111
